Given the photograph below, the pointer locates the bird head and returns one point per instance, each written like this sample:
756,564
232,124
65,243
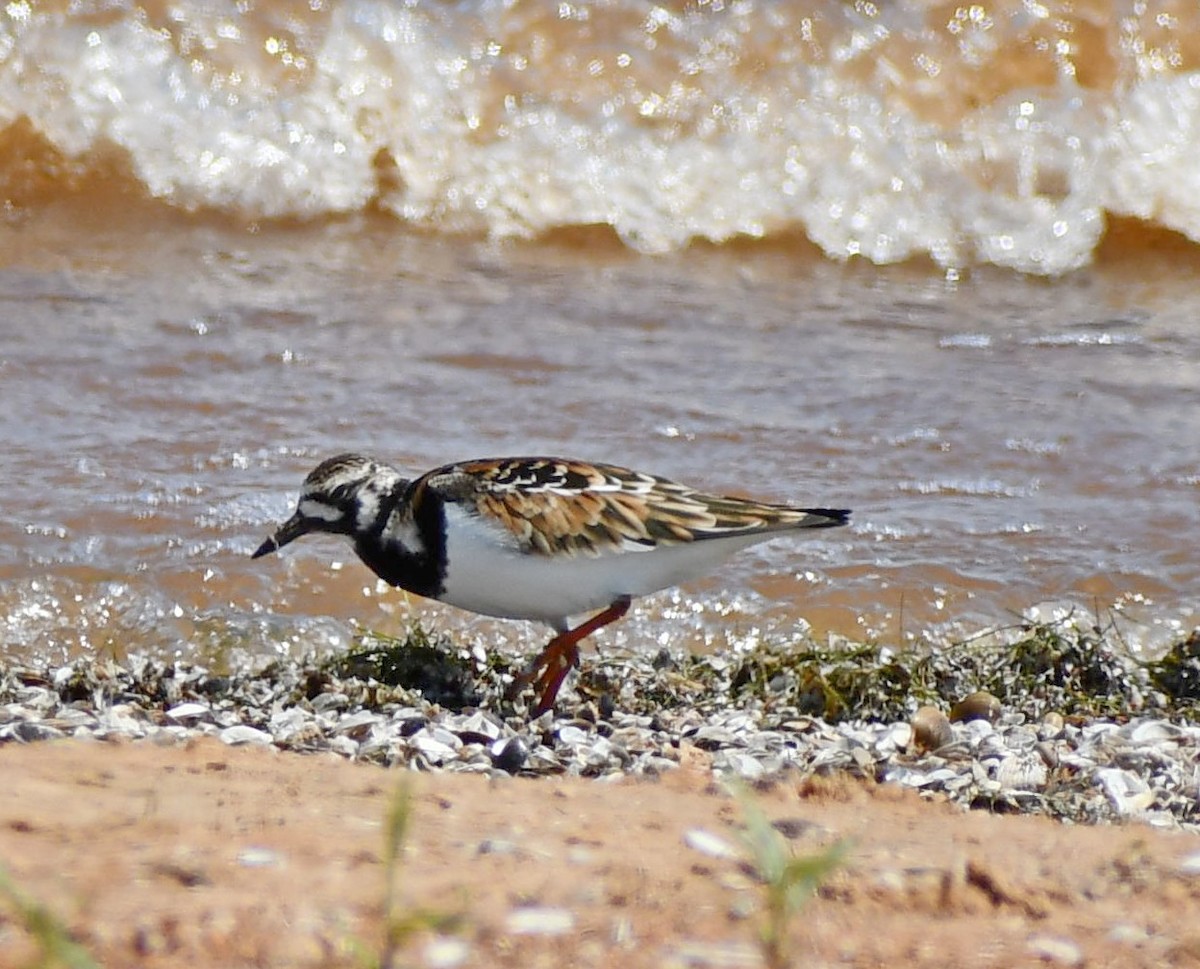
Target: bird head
340,495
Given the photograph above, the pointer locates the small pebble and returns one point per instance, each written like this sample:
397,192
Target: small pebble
446,953
977,706
540,921
572,735
1128,934
259,858
509,755
708,843
241,734
1052,725
1060,951
28,731
931,729
1190,865
184,712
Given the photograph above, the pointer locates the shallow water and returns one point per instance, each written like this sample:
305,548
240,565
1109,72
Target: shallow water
166,382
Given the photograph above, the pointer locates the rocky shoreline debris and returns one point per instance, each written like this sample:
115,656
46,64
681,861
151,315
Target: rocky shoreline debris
1058,719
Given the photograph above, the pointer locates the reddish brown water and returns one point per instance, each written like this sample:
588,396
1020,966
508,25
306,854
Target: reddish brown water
166,383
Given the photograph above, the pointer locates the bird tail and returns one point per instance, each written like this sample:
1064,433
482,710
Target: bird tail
825,517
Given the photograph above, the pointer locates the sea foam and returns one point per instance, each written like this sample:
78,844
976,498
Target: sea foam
1005,133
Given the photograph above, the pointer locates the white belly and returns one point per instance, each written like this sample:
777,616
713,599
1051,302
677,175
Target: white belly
486,575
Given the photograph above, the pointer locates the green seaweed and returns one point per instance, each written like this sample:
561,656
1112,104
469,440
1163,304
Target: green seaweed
1077,670
417,661
1177,674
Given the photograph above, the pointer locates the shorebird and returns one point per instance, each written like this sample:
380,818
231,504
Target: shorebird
537,538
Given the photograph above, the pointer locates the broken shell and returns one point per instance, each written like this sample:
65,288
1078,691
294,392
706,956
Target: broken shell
1052,725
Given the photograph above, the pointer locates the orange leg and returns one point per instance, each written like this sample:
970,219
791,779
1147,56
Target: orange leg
552,664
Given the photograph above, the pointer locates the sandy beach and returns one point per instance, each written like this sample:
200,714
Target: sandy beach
210,856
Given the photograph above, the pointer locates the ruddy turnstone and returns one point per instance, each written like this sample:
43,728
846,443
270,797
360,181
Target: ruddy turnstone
533,538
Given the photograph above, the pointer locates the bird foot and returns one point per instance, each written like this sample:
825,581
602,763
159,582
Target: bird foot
551,666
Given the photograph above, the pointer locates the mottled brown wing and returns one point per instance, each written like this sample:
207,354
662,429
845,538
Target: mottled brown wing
557,506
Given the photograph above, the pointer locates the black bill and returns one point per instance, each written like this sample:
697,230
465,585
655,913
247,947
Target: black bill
289,531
